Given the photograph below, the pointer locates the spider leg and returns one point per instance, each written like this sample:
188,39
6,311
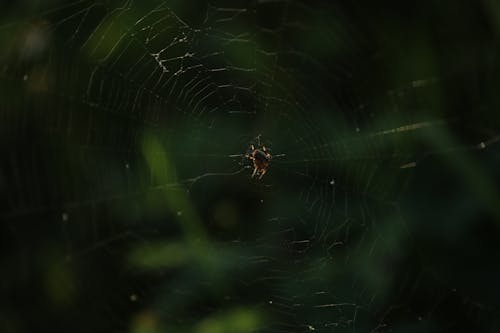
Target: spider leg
262,173
254,171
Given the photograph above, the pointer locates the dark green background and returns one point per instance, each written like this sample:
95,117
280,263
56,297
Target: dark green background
126,202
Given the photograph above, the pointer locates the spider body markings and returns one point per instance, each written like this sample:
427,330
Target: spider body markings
261,159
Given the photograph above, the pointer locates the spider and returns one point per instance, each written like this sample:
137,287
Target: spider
261,159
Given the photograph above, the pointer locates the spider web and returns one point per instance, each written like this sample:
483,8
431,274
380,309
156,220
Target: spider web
128,202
